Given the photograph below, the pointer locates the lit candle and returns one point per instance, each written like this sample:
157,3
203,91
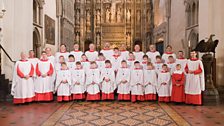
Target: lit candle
189,43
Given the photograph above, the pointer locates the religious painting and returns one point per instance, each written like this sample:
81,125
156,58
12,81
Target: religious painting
49,30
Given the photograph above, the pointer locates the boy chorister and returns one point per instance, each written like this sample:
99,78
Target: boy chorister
145,61
71,62
171,64
108,81
93,82
178,81
116,59
78,82
152,53
158,64
63,53
58,64
131,60
124,52
63,83
123,81
150,82
169,52
101,61
137,84
181,60
163,87
43,83
85,62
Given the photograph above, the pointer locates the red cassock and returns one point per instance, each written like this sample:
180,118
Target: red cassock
178,94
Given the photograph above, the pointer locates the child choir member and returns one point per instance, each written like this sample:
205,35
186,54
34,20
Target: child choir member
152,53
58,64
63,52
33,60
43,83
116,59
163,87
76,52
91,54
93,82
137,84
150,82
195,81
71,62
124,52
85,62
22,84
178,81
138,53
123,81
106,51
131,60
78,82
171,64
181,60
144,62
101,61
63,83
108,84
169,52
158,64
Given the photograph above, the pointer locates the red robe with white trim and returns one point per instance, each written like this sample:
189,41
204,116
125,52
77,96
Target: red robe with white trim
43,85
178,94
23,89
195,83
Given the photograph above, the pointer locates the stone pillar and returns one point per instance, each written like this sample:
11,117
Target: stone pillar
211,94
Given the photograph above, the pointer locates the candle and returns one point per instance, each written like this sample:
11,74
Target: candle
189,43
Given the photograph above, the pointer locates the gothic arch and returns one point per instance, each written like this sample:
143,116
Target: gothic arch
36,42
193,38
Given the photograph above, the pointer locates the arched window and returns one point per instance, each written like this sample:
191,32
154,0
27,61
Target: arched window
35,11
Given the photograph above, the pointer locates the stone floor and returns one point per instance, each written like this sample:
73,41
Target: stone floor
109,113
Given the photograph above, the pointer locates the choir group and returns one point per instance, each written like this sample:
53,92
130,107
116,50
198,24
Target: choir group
93,76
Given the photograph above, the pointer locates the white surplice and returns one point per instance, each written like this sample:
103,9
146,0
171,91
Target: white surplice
78,75
123,74
150,81
92,75
137,82
63,89
108,87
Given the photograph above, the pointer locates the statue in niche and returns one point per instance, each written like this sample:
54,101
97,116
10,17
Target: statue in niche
128,38
77,37
78,16
108,14
119,14
98,16
88,16
129,15
98,38
138,16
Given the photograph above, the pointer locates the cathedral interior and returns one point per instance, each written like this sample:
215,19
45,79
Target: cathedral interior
37,24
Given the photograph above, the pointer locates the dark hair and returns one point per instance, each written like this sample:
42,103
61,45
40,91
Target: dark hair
181,51
71,56
123,61
116,48
62,45
136,62
93,62
169,46
164,65
43,52
100,54
107,61
131,53
170,57
63,63
178,65
158,57
149,64
83,54
78,63
145,56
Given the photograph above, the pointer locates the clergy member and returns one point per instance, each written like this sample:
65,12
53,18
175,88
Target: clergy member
63,52
152,53
107,52
76,52
138,53
169,52
195,81
91,54
43,84
22,83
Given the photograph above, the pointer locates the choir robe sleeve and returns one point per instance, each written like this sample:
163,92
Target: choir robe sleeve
14,79
51,70
167,81
89,78
202,76
58,80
